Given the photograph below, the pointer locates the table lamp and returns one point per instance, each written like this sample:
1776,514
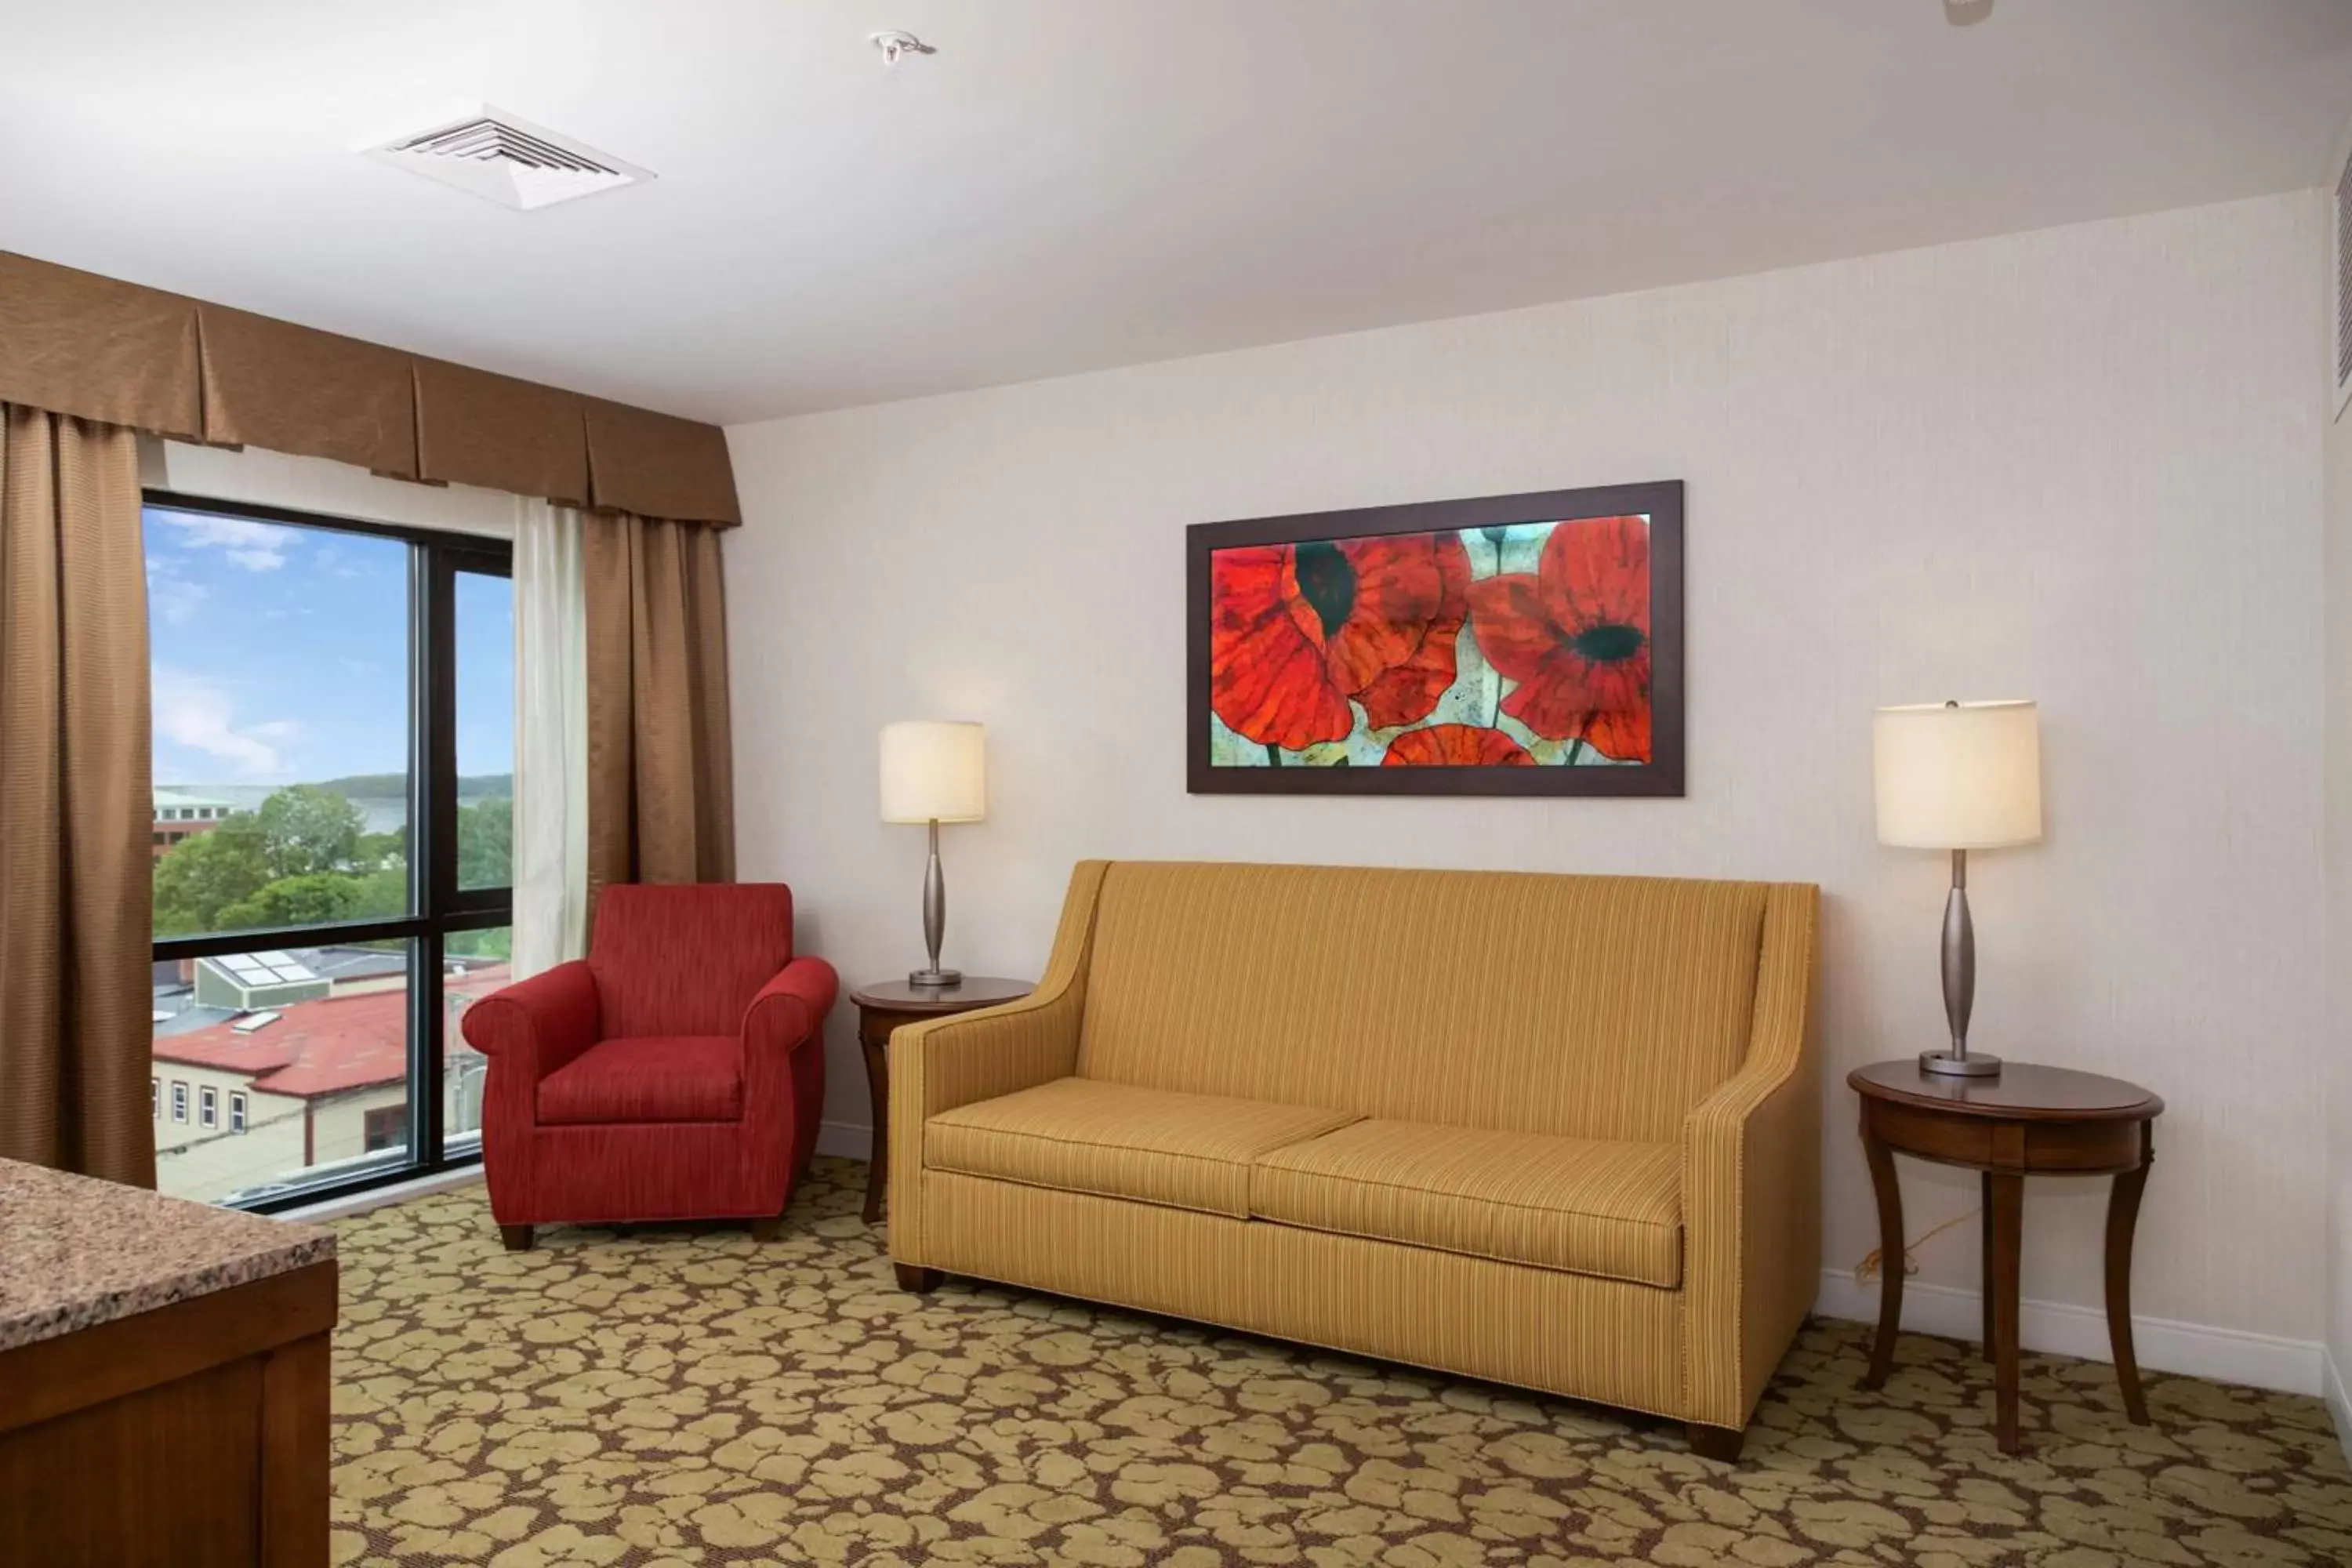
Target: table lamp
933,771
1959,776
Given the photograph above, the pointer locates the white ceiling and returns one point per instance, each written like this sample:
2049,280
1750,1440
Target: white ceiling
1074,183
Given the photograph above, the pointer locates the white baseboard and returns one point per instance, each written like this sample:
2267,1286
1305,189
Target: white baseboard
2060,1328
848,1140
2339,1406
376,1197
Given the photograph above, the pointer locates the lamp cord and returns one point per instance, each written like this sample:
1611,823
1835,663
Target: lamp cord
1867,1270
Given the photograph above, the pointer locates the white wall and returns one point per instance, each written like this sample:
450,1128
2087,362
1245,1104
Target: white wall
2081,465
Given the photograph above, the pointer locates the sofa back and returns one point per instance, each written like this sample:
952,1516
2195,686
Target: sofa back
1577,1006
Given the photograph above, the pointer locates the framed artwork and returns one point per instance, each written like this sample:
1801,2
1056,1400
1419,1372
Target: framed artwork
1510,645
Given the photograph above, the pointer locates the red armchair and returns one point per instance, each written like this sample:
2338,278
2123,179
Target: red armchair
678,1073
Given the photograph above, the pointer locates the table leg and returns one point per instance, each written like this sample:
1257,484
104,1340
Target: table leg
2009,1231
2123,1219
877,1083
1890,1254
1984,1235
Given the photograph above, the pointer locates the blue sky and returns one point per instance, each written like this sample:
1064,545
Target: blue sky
280,654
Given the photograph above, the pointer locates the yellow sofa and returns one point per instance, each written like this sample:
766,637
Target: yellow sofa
1555,1131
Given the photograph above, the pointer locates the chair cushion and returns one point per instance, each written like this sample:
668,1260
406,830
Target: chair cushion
1580,1206
649,1078
1187,1151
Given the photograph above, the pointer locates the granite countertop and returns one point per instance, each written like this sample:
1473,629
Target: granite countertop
76,1252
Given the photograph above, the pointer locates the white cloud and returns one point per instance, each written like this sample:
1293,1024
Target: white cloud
255,546
170,595
197,714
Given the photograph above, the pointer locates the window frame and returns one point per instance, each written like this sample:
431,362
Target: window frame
439,910
180,1102
240,1110
208,1107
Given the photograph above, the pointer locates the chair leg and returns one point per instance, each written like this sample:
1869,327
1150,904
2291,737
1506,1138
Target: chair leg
922,1281
1721,1444
516,1236
767,1227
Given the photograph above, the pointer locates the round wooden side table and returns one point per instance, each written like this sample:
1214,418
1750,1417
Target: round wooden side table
882,1008
2028,1120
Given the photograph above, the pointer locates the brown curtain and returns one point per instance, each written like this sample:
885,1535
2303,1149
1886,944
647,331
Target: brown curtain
661,762
74,807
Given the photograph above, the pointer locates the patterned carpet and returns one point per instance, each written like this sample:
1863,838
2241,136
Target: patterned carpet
682,1395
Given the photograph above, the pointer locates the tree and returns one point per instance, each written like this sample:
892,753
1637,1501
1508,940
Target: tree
309,830
486,843
381,851
382,894
206,872
497,943
311,899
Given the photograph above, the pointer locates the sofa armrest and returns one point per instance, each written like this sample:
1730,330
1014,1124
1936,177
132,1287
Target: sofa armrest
790,1009
1751,1184
532,1027
943,1063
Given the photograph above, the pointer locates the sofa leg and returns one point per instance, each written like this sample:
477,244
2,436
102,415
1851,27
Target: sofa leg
922,1281
767,1227
1721,1444
516,1236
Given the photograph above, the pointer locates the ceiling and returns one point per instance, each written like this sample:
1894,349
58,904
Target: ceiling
1069,184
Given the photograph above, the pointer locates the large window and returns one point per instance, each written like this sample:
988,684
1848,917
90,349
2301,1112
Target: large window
333,843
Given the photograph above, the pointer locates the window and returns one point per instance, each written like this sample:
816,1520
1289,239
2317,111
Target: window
340,697
179,1100
385,1127
155,1097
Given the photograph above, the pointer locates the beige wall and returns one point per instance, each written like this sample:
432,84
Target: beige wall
195,1162
2081,465
2336,1041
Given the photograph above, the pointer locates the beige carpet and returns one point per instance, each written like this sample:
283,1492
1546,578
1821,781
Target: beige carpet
678,1396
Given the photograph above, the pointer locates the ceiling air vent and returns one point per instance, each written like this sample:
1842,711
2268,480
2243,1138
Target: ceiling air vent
506,159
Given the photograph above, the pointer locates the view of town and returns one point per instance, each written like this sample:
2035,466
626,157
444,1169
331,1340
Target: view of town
274,1065
280,653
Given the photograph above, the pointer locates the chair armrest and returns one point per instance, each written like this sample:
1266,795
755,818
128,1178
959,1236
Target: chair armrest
942,1063
1751,1184
790,1009
536,1026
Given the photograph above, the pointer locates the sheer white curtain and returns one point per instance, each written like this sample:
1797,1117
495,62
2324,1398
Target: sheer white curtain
550,833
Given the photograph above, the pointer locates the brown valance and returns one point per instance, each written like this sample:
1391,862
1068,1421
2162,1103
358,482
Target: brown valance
75,343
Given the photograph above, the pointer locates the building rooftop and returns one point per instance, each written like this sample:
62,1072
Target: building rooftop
319,1049
176,798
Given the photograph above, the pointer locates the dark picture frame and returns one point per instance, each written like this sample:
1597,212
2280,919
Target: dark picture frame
1662,775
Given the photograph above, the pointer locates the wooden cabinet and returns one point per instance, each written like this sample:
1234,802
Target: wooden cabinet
195,1433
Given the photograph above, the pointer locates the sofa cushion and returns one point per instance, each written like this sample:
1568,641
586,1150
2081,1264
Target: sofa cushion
1578,1205
649,1078
1188,1150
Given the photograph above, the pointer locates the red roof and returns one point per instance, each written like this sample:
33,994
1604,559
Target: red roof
328,1046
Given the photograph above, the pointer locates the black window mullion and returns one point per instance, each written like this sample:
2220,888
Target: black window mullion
432,836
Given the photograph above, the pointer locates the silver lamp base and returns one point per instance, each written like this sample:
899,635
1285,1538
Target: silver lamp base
935,978
1944,1063
1959,963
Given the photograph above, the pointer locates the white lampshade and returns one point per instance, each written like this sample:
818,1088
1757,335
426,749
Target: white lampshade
1963,775
933,771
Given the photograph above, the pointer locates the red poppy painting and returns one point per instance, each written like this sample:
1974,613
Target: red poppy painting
1512,644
